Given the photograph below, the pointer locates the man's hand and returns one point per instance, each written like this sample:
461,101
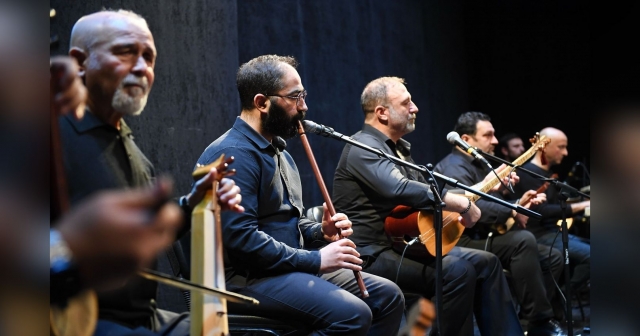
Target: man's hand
458,203
228,192
512,177
529,198
67,92
114,233
339,254
336,226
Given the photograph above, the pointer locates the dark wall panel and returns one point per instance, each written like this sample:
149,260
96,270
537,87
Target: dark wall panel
342,45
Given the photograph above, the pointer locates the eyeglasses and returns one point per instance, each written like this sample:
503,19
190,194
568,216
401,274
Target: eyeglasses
300,97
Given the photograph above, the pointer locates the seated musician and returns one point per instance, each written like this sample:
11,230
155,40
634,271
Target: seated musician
116,55
511,146
545,229
268,244
367,188
529,263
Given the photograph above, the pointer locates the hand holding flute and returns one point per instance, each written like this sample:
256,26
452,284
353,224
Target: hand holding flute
341,253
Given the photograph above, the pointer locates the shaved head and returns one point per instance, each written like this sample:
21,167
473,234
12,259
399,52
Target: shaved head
90,29
553,133
556,150
116,55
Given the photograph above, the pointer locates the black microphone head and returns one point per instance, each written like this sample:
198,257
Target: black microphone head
311,127
452,137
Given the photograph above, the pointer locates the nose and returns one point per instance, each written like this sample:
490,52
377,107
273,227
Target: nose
302,104
494,141
413,108
141,67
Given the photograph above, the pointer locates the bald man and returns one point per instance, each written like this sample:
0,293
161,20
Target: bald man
545,229
116,55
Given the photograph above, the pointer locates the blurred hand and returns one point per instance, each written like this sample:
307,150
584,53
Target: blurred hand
336,226
114,233
228,192
339,254
529,198
512,177
67,92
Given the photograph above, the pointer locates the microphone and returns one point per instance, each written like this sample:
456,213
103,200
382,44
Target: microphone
454,138
312,127
573,169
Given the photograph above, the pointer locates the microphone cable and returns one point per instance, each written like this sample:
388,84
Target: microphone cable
402,257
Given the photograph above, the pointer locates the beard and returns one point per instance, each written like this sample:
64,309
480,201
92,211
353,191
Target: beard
278,123
408,123
127,103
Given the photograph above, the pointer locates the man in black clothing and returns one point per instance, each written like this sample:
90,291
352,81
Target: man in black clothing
367,188
116,56
546,229
527,261
271,244
511,146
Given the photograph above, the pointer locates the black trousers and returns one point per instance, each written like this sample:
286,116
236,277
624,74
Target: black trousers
330,303
473,283
530,266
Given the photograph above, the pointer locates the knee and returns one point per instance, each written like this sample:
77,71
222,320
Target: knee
391,296
525,240
460,273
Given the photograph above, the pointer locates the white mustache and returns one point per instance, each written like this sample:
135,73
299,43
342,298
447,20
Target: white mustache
133,80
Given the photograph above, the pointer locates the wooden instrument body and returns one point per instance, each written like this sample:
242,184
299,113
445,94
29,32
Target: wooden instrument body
208,313
405,221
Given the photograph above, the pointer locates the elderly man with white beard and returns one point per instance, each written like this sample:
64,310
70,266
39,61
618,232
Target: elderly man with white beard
116,57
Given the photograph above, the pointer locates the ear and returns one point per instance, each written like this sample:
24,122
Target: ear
382,113
504,151
465,137
261,102
81,57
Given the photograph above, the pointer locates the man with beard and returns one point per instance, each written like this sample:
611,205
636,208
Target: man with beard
511,146
546,229
528,262
367,188
116,55
268,246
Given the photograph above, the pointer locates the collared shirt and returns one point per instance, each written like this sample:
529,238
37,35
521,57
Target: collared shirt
467,170
550,210
97,156
367,188
270,236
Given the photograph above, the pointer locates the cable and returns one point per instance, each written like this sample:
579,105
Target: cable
486,243
402,257
564,299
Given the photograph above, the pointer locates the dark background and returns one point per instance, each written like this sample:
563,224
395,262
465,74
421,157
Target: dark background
529,64
525,63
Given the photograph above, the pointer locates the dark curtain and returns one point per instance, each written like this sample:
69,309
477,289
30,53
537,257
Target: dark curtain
525,63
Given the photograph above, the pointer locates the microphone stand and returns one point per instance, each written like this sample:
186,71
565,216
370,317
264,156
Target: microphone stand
437,217
559,185
562,197
437,224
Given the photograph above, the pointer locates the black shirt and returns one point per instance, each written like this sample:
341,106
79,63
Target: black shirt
97,156
467,170
550,210
367,188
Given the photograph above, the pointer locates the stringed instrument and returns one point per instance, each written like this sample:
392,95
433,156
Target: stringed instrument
208,313
504,228
406,221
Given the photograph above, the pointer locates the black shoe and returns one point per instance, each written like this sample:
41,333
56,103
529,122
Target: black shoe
550,328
